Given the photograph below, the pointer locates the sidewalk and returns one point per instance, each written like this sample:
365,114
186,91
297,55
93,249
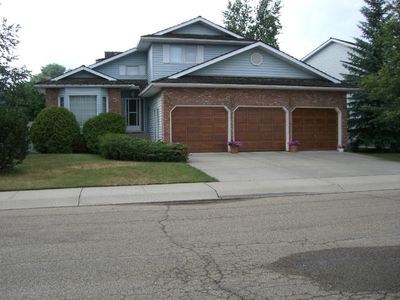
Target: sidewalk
194,191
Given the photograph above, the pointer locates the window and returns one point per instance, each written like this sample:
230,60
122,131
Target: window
256,59
104,104
176,54
61,102
83,107
183,54
131,70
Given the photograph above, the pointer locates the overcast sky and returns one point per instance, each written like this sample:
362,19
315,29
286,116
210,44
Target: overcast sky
77,32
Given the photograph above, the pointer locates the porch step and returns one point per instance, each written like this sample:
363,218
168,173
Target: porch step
139,135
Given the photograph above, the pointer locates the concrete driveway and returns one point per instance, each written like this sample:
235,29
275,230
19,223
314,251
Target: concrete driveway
260,166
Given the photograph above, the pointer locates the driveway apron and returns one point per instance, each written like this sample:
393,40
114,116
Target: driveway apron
264,166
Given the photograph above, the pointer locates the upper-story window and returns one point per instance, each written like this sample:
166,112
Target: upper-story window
183,54
132,70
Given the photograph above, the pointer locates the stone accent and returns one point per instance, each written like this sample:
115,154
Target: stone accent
232,98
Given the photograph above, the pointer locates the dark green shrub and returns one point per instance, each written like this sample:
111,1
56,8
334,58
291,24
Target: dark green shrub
54,130
14,139
97,126
122,147
79,145
116,146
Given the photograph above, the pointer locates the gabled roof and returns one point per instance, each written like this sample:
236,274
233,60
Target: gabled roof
326,44
84,69
201,20
107,60
289,59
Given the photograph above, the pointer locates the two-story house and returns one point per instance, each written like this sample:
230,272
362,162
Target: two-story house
200,84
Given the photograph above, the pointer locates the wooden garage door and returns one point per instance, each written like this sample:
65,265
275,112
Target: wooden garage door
315,129
203,129
260,129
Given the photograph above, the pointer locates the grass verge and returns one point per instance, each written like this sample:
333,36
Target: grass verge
392,156
53,171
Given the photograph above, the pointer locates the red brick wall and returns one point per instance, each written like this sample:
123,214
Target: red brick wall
51,97
114,100
232,98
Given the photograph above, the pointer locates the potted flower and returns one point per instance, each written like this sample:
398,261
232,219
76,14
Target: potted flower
293,146
341,148
234,146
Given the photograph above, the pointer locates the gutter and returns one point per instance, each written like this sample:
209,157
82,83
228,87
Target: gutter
130,86
244,86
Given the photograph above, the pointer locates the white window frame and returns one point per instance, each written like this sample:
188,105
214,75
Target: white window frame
167,54
132,70
97,104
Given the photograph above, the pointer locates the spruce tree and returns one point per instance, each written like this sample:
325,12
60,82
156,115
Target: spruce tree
366,58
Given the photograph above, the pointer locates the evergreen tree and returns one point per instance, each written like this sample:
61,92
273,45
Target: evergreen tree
385,84
257,23
366,58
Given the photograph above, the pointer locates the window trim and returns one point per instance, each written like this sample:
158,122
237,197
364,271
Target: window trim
123,70
167,57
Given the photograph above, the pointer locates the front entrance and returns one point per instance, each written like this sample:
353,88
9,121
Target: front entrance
132,113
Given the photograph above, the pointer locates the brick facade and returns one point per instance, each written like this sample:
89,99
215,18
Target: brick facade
232,98
51,97
114,100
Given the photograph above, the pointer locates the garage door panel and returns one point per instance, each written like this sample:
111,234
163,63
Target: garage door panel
256,127
319,132
203,129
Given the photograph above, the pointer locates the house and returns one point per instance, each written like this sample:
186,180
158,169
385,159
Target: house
330,57
200,84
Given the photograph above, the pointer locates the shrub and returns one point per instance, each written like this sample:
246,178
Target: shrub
97,126
14,139
54,130
122,147
79,145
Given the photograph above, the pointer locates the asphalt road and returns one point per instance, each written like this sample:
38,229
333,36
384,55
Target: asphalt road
333,246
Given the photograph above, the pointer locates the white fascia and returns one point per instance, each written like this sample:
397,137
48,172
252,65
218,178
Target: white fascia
156,87
265,47
199,19
86,69
105,61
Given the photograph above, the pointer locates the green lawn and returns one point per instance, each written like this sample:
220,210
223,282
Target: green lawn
51,171
392,156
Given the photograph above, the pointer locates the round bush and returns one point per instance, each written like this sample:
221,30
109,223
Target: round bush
102,124
54,130
14,140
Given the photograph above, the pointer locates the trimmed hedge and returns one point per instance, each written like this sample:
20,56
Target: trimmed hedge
122,147
54,130
104,123
14,137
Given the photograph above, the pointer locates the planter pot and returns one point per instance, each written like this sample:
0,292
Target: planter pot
234,150
293,148
340,150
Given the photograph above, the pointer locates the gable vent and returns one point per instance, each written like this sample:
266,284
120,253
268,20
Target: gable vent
256,59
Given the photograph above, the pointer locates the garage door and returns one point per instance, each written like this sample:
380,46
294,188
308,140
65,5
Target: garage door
203,129
315,129
260,129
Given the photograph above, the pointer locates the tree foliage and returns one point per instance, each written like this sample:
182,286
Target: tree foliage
48,71
260,22
384,85
366,126
14,137
11,78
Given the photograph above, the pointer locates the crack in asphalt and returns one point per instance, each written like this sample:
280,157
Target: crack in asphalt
210,267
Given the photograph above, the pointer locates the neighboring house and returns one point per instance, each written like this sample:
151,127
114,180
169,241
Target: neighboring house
200,84
330,57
